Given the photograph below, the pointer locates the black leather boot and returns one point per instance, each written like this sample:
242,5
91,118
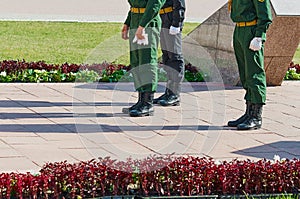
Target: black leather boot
172,99
145,108
243,118
255,119
165,95
162,97
127,110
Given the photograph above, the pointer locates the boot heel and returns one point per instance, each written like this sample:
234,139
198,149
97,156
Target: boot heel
125,110
257,127
176,104
148,114
137,114
151,114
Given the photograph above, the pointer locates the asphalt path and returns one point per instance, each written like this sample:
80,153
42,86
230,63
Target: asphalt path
91,10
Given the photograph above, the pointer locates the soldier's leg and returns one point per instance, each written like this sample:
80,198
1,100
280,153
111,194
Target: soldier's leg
148,71
241,45
148,59
175,70
136,78
164,34
175,60
134,62
134,59
239,48
163,44
256,76
256,81
148,74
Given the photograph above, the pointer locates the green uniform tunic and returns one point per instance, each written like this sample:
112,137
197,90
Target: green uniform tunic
251,63
144,58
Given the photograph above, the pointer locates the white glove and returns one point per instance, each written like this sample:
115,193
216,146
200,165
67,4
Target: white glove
174,30
134,39
256,44
144,41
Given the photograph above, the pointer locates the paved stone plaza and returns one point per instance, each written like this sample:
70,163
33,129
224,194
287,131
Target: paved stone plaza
42,123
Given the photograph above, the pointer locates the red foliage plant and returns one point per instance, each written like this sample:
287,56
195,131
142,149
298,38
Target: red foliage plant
12,66
180,176
296,66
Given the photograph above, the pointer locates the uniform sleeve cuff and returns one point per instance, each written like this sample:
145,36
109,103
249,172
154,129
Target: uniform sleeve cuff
261,35
258,34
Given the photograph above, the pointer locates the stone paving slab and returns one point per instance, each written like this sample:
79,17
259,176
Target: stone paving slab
42,123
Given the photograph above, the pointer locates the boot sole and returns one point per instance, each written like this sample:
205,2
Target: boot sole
174,104
125,110
141,115
246,129
235,123
232,125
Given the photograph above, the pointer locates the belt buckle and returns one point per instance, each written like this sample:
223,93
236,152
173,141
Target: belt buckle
242,24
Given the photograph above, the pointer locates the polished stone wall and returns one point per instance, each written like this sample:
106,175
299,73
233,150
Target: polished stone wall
283,39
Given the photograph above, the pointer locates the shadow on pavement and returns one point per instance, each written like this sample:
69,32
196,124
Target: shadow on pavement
98,128
186,86
21,103
287,149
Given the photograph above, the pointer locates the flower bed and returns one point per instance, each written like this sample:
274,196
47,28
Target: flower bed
22,71
293,72
181,176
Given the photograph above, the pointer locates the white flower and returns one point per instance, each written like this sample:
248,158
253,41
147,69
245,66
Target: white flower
132,186
276,158
34,173
3,73
218,162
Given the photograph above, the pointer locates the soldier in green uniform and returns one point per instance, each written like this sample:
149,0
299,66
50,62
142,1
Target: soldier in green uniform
143,24
172,15
252,18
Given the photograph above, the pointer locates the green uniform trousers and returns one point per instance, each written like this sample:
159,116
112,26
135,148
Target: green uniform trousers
250,65
144,61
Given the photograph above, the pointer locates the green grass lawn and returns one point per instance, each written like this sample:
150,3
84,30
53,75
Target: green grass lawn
53,42
297,55
60,42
